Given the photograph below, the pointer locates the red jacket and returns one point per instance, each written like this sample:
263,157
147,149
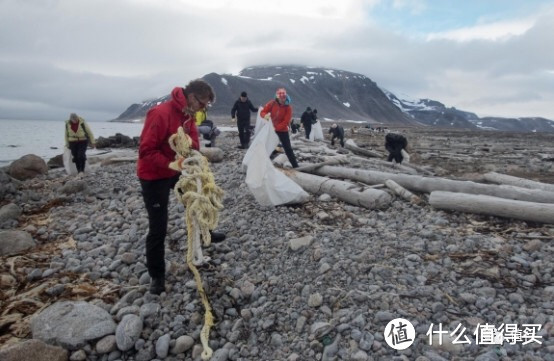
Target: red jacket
161,122
281,115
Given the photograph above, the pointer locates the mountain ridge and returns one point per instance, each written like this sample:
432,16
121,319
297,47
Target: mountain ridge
340,96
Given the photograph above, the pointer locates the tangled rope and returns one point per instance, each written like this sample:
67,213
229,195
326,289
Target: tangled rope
197,191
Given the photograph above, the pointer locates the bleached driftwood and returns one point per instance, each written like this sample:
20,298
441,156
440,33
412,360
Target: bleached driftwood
417,183
402,192
350,145
385,166
345,191
498,178
494,206
331,161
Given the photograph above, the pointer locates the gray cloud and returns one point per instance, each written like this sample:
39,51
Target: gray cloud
98,57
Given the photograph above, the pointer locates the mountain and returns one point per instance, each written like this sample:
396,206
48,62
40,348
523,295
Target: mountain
433,113
340,95
336,94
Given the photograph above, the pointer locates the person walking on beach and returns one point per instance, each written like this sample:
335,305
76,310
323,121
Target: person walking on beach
77,137
241,109
158,171
280,112
306,120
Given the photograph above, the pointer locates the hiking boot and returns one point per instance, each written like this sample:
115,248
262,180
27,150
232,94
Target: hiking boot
217,237
157,285
209,145
240,147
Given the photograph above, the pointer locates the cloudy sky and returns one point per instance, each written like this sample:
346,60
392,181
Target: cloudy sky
96,57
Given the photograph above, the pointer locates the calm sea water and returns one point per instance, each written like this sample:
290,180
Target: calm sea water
46,138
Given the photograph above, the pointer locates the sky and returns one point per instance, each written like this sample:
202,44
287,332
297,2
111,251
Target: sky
97,57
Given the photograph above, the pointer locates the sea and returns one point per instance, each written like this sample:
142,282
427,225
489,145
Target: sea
45,138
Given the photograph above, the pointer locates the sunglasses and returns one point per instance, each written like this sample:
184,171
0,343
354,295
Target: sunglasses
202,105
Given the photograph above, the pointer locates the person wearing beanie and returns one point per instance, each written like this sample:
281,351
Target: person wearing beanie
279,111
337,132
306,120
158,170
241,110
77,137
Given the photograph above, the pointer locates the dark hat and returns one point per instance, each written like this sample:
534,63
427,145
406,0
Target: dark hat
315,110
243,94
308,109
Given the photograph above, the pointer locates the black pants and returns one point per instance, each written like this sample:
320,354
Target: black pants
395,152
156,199
244,133
308,130
341,139
285,142
79,154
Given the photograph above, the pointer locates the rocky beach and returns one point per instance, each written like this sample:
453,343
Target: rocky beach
314,281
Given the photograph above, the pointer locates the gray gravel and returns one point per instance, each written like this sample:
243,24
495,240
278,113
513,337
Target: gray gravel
288,284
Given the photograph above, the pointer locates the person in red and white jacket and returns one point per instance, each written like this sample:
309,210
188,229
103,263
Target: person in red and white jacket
279,111
158,169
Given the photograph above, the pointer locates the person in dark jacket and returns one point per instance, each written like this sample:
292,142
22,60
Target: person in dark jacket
306,120
241,109
314,116
337,132
158,170
394,143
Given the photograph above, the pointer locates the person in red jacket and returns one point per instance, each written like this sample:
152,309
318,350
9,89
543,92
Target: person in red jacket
280,112
158,169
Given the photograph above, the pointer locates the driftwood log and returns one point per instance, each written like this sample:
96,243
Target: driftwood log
350,145
402,192
498,178
494,206
417,183
350,193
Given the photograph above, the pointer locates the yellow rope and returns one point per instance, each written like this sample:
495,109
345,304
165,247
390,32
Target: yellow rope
197,190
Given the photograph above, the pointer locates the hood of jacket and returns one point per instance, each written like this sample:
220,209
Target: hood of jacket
287,101
178,98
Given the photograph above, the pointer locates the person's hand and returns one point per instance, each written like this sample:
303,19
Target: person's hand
233,119
177,164
267,116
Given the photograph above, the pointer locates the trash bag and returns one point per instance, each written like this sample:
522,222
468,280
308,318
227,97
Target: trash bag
260,122
317,132
69,165
269,186
264,135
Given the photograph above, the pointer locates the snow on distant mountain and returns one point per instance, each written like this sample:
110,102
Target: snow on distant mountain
340,95
433,113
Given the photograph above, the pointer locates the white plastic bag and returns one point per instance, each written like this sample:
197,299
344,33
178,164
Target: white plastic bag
260,122
68,164
406,156
317,132
266,136
269,186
